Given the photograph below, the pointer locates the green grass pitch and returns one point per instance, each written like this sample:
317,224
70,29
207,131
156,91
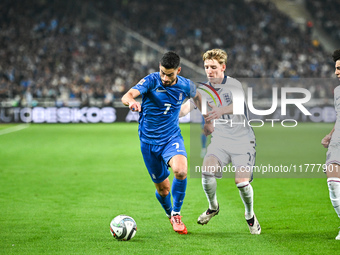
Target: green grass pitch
60,186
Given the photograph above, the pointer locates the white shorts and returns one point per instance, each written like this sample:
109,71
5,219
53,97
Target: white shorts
333,154
245,156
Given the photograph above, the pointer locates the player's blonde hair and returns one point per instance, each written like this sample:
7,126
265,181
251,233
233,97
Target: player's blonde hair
218,54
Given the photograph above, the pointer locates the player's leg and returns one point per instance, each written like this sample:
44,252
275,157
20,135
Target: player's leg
175,155
159,173
209,184
178,163
210,166
163,196
243,177
246,194
333,181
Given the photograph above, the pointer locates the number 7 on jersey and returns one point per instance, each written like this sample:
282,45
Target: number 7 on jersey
167,108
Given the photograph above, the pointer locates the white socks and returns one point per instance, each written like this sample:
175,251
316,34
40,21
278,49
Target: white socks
334,193
246,193
209,187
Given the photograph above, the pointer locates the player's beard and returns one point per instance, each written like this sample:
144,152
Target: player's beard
168,83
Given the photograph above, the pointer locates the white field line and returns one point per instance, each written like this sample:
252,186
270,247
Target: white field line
13,129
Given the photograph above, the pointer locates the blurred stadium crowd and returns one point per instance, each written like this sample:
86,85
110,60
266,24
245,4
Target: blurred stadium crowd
326,15
57,53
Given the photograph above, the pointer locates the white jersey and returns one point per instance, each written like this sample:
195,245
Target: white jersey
231,130
336,135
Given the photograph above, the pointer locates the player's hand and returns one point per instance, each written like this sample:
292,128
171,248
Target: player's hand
208,128
135,106
326,140
215,113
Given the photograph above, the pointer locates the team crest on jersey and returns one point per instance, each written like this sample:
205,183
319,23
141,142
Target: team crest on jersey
141,81
227,98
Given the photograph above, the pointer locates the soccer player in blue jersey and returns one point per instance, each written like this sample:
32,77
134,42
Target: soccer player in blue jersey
160,136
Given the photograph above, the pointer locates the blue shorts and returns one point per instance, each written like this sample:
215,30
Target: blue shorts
157,157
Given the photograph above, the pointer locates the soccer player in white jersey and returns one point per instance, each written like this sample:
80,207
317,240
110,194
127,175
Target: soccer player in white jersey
332,142
230,143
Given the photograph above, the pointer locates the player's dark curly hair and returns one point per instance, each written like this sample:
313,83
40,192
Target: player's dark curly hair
336,55
170,60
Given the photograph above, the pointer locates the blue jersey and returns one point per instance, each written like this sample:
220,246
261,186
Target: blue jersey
158,119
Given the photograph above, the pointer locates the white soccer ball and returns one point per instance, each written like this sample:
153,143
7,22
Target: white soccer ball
123,227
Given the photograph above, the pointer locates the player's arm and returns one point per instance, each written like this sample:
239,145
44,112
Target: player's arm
197,101
187,107
327,139
217,112
208,126
129,100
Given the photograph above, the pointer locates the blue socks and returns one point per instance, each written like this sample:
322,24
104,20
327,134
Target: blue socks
165,202
178,193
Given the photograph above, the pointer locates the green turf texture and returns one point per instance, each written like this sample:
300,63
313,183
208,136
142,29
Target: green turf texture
61,185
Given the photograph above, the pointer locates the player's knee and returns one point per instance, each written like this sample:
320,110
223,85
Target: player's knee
333,171
180,173
163,188
240,181
210,161
163,191
180,170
